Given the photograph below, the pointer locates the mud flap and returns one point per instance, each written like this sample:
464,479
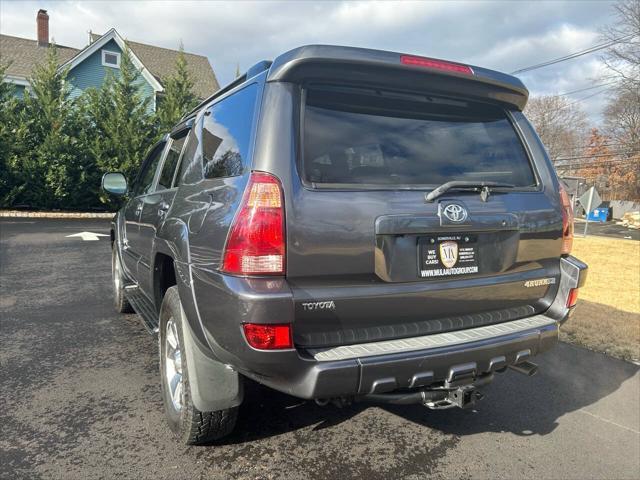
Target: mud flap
214,386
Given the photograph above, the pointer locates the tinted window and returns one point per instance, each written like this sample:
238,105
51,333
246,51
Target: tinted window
170,162
191,165
388,140
226,134
145,180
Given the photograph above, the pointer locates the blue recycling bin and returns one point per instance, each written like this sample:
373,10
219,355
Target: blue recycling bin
599,215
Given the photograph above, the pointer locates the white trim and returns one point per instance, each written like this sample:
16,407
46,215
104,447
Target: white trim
101,42
111,65
16,80
529,325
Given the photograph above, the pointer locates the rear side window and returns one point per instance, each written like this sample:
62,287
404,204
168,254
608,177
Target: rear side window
170,163
145,180
383,139
226,134
191,165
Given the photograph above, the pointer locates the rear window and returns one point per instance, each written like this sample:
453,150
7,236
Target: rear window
386,139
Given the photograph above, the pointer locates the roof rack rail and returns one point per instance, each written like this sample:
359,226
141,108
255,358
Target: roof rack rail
251,72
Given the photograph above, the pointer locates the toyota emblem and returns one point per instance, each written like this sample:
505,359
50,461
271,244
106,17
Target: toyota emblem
455,213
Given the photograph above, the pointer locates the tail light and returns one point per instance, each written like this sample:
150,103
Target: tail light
256,242
567,222
572,299
268,336
436,64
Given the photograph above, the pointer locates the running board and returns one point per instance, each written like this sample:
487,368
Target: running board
143,307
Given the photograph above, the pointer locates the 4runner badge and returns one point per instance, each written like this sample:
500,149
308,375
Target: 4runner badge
539,282
449,253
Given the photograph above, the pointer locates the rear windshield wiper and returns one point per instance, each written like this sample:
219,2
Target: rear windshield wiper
484,187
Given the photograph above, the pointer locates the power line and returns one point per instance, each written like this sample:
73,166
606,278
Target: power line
613,156
571,56
598,162
584,147
579,166
584,89
578,100
620,155
602,155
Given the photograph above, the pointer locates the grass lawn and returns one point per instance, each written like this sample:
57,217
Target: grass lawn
607,317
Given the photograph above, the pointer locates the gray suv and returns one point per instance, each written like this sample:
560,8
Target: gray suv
345,225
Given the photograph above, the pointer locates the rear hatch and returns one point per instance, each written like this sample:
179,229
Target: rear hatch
370,258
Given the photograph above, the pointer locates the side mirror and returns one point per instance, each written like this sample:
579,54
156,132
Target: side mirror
114,183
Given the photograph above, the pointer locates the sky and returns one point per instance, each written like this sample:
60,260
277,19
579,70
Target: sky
502,35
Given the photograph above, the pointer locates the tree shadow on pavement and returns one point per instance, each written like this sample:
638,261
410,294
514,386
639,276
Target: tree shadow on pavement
569,378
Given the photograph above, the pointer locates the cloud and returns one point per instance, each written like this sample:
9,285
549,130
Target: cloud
500,35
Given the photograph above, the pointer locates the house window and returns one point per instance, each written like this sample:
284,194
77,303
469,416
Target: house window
110,59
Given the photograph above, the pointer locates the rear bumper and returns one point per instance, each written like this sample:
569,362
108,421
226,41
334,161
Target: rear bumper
375,367
360,370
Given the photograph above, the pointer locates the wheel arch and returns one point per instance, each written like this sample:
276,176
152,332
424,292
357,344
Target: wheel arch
164,276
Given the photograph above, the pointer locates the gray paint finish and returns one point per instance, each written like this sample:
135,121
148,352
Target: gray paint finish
357,248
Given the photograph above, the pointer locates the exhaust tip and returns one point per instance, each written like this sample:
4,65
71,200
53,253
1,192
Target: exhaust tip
526,368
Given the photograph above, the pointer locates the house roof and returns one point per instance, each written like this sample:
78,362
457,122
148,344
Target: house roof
23,54
103,40
161,62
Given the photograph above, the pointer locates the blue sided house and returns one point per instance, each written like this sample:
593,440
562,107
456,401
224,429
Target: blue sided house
90,66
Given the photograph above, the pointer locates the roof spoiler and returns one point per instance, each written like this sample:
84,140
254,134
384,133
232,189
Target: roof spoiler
362,66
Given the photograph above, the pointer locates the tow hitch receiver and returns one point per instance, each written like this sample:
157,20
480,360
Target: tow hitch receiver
462,397
446,396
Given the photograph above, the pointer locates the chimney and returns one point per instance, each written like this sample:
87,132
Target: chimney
42,21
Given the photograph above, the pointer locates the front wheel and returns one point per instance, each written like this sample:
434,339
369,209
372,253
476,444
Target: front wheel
192,426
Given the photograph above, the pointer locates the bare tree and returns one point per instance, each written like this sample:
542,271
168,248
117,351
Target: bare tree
561,124
623,56
622,121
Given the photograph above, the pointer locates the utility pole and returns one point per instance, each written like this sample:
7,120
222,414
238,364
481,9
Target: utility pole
586,224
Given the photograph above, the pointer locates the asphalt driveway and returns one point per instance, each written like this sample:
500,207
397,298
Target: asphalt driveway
607,229
80,398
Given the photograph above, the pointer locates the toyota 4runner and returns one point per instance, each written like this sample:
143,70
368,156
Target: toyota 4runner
344,225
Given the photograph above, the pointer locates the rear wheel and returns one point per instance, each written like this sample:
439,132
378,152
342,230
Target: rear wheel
119,298
192,426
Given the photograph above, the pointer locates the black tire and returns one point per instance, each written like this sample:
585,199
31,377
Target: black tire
191,426
120,301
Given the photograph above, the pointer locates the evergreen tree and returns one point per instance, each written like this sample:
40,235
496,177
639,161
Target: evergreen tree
54,149
45,155
8,116
120,126
178,97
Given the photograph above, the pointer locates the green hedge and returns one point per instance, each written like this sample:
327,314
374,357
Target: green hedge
54,149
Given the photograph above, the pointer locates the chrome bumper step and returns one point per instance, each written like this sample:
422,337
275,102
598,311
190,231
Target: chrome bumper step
427,342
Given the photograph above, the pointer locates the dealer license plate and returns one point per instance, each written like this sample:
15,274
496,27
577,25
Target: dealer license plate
448,255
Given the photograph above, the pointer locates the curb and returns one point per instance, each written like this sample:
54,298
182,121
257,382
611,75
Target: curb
24,214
